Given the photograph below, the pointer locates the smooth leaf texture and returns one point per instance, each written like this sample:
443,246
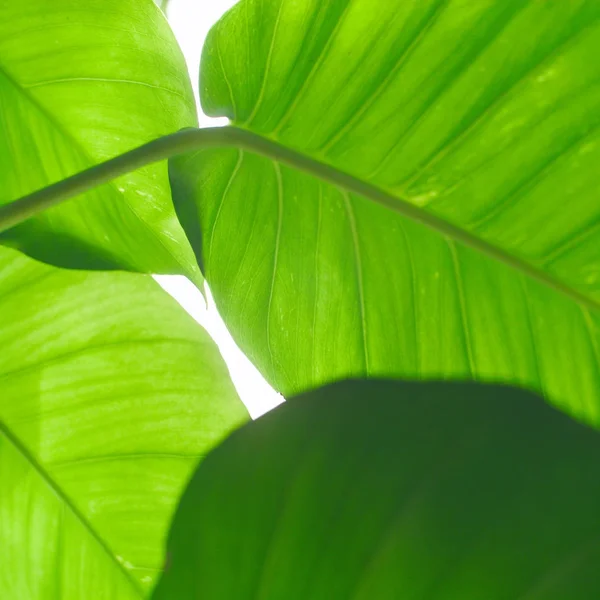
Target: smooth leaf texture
394,490
484,114
82,82
109,395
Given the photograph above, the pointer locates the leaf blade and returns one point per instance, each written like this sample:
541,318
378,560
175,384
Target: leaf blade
116,394
394,489
128,85
448,107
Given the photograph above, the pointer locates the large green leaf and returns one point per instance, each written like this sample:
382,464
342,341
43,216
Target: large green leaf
81,82
109,394
482,116
398,491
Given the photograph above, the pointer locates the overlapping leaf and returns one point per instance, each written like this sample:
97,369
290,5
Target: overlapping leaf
109,395
81,82
394,491
482,114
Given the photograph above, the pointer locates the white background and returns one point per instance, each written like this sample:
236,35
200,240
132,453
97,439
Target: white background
191,20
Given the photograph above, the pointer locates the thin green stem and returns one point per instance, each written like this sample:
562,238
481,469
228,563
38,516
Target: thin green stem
190,140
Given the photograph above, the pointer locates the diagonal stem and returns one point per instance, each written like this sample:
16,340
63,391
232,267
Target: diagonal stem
189,140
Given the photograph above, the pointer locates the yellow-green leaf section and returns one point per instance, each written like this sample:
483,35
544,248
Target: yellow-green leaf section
394,490
482,114
82,82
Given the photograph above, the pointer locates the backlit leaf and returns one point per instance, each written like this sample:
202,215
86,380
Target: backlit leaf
484,115
109,395
82,82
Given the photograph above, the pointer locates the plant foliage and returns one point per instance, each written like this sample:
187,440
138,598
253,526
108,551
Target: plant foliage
81,83
408,189
109,395
482,117
387,490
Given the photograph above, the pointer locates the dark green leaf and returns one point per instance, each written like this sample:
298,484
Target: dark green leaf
401,491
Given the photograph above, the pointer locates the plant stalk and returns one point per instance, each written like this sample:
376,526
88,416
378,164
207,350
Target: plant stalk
189,140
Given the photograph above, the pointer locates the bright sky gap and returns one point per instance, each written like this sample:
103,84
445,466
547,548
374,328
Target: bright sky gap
191,21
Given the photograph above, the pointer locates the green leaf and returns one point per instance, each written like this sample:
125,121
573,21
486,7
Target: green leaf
479,117
394,490
109,395
81,83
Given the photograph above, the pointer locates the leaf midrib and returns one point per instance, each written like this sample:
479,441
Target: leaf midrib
195,140
45,476
327,173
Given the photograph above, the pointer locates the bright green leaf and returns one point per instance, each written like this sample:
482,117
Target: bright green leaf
109,394
81,82
481,115
390,490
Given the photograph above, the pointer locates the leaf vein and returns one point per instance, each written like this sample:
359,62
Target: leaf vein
381,87
359,275
263,86
66,501
279,179
496,103
463,306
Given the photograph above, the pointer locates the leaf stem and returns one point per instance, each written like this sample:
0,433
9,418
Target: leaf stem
189,140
